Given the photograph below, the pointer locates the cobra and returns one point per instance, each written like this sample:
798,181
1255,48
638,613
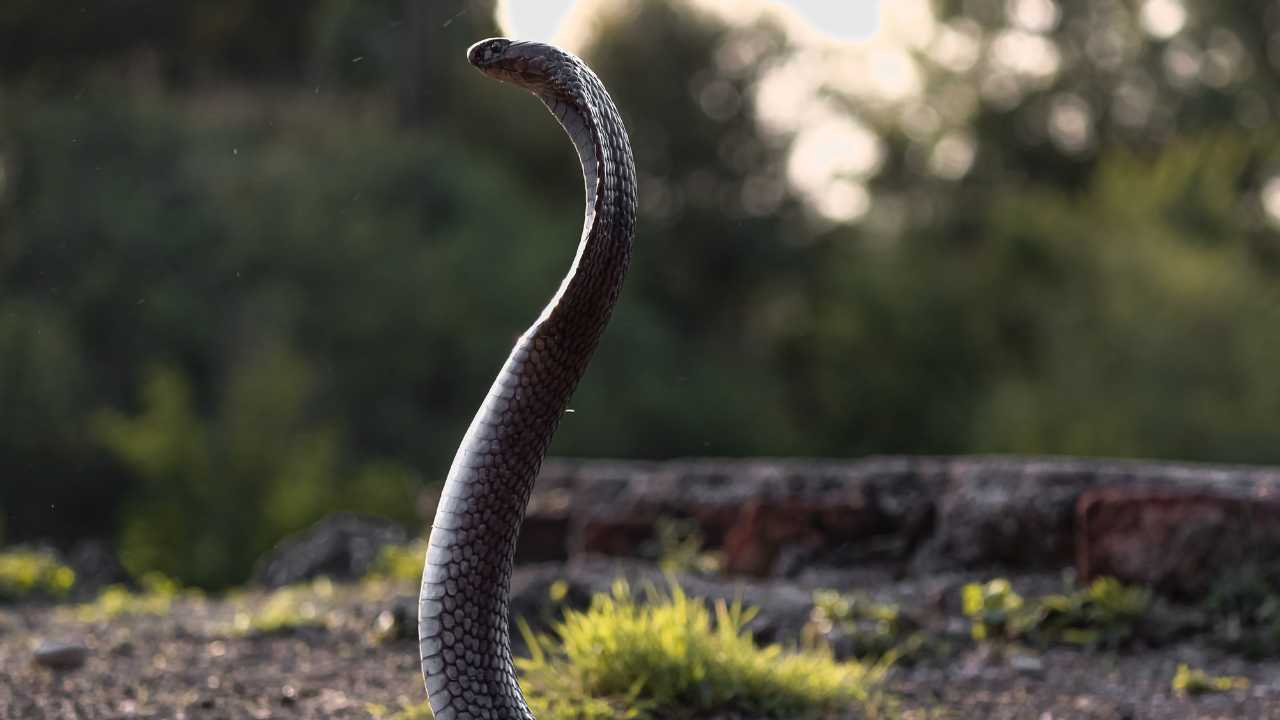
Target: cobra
463,634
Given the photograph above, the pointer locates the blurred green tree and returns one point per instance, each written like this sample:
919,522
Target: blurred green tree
278,252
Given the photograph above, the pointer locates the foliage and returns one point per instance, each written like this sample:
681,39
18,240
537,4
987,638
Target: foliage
863,627
1107,613
285,610
1121,290
673,656
157,594
201,475
1193,681
994,609
680,547
33,574
260,262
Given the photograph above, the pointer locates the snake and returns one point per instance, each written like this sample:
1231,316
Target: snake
464,641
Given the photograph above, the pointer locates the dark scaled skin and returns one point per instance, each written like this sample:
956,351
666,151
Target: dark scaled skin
462,612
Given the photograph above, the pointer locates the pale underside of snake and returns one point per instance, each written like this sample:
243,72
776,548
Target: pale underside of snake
462,612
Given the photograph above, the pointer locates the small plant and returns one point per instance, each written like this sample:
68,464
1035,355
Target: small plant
1191,681
624,659
994,610
680,548
286,610
1107,614
33,574
155,597
855,625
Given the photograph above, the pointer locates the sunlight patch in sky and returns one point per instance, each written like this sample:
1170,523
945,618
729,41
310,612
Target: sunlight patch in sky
1271,200
843,20
857,48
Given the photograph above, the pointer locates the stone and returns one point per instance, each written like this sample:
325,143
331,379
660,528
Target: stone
904,516
1028,665
342,546
1178,542
761,512
1021,513
59,655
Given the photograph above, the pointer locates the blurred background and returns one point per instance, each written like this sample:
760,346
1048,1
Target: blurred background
259,261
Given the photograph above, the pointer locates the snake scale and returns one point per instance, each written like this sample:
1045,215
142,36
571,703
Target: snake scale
462,612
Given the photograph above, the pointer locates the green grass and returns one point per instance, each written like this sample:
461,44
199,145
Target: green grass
286,610
1191,681
673,657
155,598
680,547
1107,613
868,629
33,574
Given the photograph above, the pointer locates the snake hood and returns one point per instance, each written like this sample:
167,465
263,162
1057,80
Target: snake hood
530,65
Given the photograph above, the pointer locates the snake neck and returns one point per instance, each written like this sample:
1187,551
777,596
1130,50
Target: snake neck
463,619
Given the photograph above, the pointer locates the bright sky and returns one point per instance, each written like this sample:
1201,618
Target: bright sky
843,19
855,46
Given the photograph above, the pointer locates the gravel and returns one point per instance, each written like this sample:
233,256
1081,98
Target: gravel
190,663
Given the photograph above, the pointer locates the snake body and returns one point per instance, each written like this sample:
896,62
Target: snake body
462,613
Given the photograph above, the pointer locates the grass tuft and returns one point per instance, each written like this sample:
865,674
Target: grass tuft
155,598
856,625
1107,613
33,574
286,610
673,656
1190,681
680,548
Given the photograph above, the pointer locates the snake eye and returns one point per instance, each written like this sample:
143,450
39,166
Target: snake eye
486,52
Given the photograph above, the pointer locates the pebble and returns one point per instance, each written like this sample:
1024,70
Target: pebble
57,655
1027,665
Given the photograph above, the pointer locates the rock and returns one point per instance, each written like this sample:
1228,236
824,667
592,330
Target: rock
1028,665
1020,513
342,546
57,655
760,512
773,536
545,532
1179,543
920,516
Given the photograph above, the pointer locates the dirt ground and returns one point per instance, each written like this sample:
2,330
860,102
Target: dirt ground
191,663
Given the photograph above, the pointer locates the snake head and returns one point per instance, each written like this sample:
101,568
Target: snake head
487,53
526,64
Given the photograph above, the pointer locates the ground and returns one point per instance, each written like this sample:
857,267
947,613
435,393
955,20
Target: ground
218,659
